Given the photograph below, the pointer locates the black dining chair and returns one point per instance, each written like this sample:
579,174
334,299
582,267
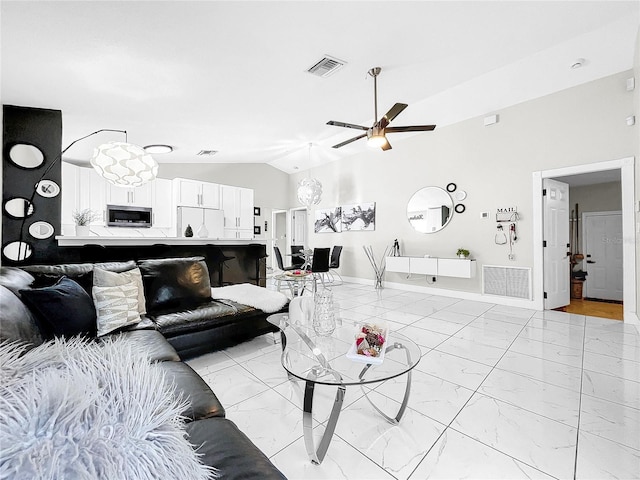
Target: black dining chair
297,257
281,266
320,265
334,263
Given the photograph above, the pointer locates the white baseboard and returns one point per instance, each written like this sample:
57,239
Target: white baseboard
631,318
511,302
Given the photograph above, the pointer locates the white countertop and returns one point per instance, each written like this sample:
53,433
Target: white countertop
73,241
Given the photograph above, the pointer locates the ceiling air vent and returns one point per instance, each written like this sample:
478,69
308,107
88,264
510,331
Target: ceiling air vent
325,67
207,153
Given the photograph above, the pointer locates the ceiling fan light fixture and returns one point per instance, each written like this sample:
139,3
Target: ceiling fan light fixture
376,138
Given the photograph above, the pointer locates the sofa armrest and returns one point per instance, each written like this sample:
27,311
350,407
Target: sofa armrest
223,446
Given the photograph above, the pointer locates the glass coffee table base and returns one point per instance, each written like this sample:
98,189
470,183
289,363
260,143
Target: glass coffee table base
317,454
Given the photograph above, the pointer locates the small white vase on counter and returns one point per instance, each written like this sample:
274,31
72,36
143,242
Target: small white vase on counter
83,230
203,232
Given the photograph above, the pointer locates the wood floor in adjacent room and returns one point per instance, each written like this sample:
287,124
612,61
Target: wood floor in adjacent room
595,309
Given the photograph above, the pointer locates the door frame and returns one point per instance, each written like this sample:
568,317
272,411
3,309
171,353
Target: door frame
627,178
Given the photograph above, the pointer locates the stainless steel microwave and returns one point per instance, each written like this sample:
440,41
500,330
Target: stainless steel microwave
128,216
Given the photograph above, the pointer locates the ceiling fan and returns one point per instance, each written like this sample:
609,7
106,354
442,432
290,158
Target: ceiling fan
376,134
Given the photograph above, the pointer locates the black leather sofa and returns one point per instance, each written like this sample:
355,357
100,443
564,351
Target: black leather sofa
182,311
217,439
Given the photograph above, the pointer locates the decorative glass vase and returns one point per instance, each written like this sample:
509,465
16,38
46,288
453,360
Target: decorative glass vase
203,232
324,314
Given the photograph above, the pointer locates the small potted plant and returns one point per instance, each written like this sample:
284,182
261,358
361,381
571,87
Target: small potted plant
462,253
82,219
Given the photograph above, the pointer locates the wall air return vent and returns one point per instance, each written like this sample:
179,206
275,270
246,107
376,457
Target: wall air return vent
325,67
512,282
207,153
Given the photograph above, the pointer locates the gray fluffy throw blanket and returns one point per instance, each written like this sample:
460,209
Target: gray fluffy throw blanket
80,410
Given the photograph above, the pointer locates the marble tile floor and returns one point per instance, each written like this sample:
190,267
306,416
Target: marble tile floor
499,392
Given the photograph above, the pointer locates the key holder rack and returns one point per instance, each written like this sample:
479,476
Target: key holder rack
507,215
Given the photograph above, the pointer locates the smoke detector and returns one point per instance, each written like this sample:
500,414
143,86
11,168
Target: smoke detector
207,153
326,66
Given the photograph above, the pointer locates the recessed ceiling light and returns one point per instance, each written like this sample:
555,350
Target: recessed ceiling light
158,149
579,62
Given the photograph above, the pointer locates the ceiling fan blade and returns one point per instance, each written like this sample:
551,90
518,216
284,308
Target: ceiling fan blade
412,128
346,142
391,114
347,125
387,145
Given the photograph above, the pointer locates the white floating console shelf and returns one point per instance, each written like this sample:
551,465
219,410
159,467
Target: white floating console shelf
443,267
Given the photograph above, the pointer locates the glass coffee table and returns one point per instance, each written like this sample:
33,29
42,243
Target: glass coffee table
296,283
322,360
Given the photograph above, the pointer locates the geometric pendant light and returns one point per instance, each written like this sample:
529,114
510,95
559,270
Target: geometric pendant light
124,164
309,190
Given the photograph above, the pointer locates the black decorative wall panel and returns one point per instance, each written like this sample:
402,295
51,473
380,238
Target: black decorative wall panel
41,128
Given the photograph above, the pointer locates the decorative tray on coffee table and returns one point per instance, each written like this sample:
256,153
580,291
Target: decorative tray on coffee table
297,273
370,344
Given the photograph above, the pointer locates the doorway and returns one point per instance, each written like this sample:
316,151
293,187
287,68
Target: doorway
624,169
278,235
299,226
603,256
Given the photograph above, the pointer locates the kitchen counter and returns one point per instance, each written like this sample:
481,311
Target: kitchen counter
229,261
73,241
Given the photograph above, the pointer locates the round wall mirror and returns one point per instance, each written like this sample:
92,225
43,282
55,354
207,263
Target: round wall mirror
47,188
430,209
17,251
18,207
26,156
41,230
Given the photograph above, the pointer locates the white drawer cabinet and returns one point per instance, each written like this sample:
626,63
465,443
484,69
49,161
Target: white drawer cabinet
397,264
444,267
424,266
456,267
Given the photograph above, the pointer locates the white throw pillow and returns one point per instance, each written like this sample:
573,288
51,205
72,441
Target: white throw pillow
105,278
116,306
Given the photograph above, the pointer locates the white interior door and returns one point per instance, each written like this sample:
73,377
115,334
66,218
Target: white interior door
299,227
603,255
556,237
278,234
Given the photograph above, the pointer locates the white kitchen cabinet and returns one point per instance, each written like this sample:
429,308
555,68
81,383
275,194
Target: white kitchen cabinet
82,188
162,205
193,193
137,196
237,204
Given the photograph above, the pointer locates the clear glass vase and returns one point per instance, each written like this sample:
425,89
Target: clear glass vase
324,315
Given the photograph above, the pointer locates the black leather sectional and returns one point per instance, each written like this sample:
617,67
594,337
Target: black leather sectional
170,330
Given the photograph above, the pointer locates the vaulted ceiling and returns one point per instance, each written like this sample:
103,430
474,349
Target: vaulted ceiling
231,76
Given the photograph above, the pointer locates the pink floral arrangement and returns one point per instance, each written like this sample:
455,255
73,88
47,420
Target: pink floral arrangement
370,340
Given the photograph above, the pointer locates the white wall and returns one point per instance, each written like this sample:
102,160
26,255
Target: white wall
494,165
270,185
601,197
635,110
